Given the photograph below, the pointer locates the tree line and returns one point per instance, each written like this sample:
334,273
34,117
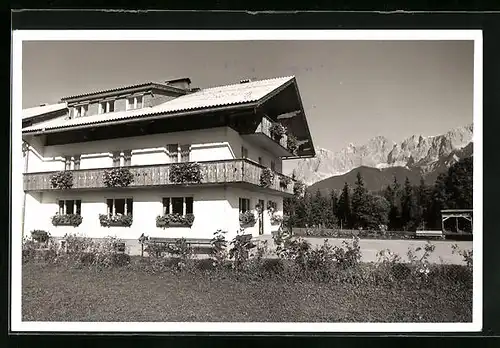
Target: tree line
398,207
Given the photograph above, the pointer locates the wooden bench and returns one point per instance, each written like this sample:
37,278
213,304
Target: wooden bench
429,234
197,244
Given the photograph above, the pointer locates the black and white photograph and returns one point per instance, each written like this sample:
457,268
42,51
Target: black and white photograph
282,181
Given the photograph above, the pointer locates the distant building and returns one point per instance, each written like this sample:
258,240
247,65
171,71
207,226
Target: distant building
163,159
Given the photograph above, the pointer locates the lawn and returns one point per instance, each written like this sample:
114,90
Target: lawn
56,293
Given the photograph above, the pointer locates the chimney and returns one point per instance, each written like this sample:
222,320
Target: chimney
44,104
245,81
181,83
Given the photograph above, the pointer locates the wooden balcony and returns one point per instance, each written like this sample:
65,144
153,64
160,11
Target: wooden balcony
241,172
264,139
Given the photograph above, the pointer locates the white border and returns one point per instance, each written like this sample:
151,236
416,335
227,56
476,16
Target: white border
17,325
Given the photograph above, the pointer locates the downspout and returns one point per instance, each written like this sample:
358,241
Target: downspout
26,155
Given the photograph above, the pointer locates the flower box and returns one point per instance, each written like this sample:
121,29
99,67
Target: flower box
118,220
276,220
174,220
284,182
40,236
277,131
266,177
247,219
62,180
67,220
118,177
292,144
185,173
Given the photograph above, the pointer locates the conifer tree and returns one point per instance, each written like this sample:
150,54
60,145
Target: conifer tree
344,208
408,207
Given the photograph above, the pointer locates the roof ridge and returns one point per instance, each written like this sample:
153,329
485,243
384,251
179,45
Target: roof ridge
239,83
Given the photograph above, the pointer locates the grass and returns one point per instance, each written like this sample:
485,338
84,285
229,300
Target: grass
56,293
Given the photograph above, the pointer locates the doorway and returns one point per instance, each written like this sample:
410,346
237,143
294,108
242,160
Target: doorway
261,217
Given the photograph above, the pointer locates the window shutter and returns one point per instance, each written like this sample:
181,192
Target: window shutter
185,149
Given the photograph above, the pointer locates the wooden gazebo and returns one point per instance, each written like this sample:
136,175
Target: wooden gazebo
462,218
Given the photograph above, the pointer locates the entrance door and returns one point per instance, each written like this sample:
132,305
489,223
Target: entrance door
261,217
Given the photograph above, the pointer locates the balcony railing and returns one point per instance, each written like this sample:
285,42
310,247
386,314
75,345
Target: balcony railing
242,171
265,128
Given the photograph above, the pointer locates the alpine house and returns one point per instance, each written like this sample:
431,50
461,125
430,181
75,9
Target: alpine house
163,159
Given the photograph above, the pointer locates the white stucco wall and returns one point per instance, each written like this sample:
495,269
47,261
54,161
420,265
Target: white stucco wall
214,208
206,145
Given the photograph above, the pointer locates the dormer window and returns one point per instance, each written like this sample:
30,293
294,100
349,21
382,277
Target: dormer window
106,106
80,110
134,102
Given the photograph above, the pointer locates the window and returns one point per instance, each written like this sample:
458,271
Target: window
106,106
127,158
70,206
178,205
244,152
76,162
273,206
134,102
80,110
122,206
178,153
72,162
116,159
244,205
273,166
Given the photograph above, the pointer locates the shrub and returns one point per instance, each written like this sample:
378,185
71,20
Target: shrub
276,220
348,256
240,250
182,253
118,177
67,220
292,143
218,252
185,173
62,180
277,131
247,218
40,236
115,220
172,220
284,181
31,251
420,265
466,254
266,177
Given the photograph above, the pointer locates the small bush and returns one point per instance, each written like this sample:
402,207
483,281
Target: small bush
62,180
277,131
118,177
185,173
292,143
218,251
67,220
266,177
240,250
466,254
40,236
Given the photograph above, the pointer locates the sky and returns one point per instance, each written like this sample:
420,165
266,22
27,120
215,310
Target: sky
351,90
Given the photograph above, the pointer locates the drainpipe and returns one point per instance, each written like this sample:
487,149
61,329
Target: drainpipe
26,154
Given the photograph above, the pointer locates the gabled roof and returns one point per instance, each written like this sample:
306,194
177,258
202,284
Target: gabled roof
42,110
236,94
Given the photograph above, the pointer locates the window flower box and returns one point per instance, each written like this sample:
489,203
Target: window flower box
40,236
277,131
266,177
284,182
247,219
62,180
67,220
185,173
174,220
118,177
292,144
118,220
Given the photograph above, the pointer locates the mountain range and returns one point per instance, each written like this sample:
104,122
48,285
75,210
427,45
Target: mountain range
380,160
